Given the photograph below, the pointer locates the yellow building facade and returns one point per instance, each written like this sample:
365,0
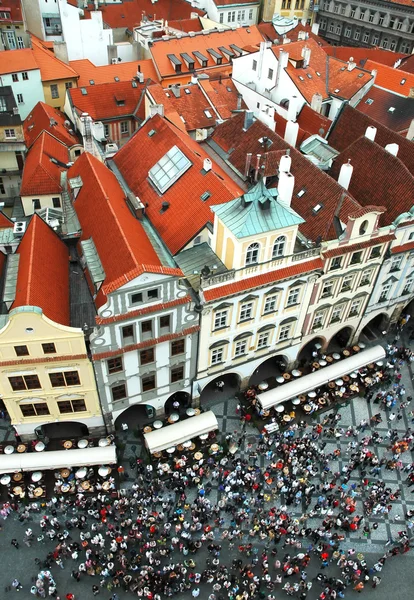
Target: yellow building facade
46,376
55,91
287,8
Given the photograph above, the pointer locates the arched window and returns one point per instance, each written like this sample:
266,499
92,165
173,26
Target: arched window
363,228
252,254
279,247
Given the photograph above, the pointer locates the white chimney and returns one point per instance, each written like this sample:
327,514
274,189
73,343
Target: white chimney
194,78
140,76
282,63
285,187
207,164
315,28
306,54
371,132
351,64
156,109
285,162
316,103
293,108
410,132
392,149
291,133
345,174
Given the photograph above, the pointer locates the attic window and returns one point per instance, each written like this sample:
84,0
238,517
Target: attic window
182,118
369,101
402,81
169,169
116,78
317,208
91,81
84,91
336,91
205,196
151,133
187,91
342,69
301,78
309,76
208,114
318,74
134,84
391,109
360,75
301,193
120,101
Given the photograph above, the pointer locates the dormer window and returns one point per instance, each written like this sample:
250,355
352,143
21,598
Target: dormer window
279,247
252,254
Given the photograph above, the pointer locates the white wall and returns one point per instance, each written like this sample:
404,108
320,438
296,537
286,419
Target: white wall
239,14
31,89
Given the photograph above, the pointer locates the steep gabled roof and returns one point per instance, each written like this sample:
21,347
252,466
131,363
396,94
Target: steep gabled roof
15,61
395,80
121,242
41,118
41,175
185,212
313,122
361,55
5,222
190,106
222,94
51,68
43,274
123,71
392,110
186,25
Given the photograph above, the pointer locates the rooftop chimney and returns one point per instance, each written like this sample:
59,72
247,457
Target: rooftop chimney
285,162
248,119
257,167
176,90
351,63
345,174
140,76
392,149
207,164
248,163
315,28
371,132
285,187
293,108
291,133
316,103
306,53
239,101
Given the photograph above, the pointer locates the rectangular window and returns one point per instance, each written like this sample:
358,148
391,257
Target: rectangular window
270,304
65,378
24,382
177,347
216,356
366,37
220,319
347,32
36,409
246,311
56,202
54,91
148,383
396,263
20,99
381,20
152,294
250,14
21,350
68,85
353,10
221,17
165,323
293,297
371,17
71,406
146,356
127,334
20,42
136,298
124,127
254,65
336,263
356,258
355,306
357,34
36,204
385,292
114,365
263,340
10,133
106,129
362,14
408,285
331,27
49,348
15,77
284,333
327,289
118,392
337,314
338,29
318,320
177,374
25,76
270,74
347,283
375,252
240,348
366,277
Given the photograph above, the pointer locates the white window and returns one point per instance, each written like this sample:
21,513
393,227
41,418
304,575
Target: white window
331,27
11,40
366,37
124,127
385,292
216,356
10,133
318,319
270,74
336,263
240,348
347,32
371,17
220,319
20,99
254,65
347,283
270,304
284,332
293,297
396,263
20,42
337,313
375,39
252,254
106,129
231,16
263,340
279,247
246,311
353,10
221,17
366,277
250,14
338,29
355,307
357,34
408,285
54,91
327,289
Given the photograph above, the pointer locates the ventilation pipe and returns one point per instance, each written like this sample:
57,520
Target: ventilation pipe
345,174
392,149
316,103
293,108
291,133
285,162
285,187
248,163
207,164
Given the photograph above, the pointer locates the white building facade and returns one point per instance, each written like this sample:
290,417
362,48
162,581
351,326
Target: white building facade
234,13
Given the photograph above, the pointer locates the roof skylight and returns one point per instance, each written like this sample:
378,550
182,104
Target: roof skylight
369,101
169,169
208,114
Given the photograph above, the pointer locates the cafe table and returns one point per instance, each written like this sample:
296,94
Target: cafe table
203,436
280,379
65,473
263,386
9,449
323,362
18,476
68,444
37,476
187,444
171,450
280,408
197,412
190,412
17,490
104,471
38,492
40,447
82,444
312,394
157,424
147,429
198,455
21,448
296,373
287,376
5,479
173,418
336,356
81,473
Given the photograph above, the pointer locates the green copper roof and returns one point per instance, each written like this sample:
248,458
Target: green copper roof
257,211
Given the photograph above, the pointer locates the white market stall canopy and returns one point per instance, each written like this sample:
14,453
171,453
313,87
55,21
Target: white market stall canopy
302,385
57,459
180,432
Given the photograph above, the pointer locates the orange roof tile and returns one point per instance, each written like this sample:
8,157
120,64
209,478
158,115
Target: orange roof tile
395,80
376,241
270,33
15,61
40,120
190,106
313,122
122,244
51,68
159,50
222,94
110,100
402,247
40,175
361,55
43,274
186,25
5,222
124,71
187,213
251,283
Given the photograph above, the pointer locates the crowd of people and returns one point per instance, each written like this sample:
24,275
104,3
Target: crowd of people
242,526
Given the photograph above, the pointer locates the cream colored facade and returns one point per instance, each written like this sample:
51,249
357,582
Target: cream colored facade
47,201
45,374
287,8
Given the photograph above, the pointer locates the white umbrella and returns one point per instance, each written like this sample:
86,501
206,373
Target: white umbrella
104,471
280,408
37,476
171,450
81,473
5,480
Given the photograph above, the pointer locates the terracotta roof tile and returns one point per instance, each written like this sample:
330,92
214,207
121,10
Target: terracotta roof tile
147,343
402,247
40,175
15,61
110,100
186,25
391,79
407,64
346,249
143,311
190,106
361,55
125,71
312,122
392,110
270,33
251,283
5,222
352,124
51,68
122,244
40,120
43,274
187,213
222,94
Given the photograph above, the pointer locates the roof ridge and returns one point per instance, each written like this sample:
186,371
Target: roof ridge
31,254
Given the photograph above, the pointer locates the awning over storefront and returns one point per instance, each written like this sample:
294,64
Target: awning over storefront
302,385
57,459
180,432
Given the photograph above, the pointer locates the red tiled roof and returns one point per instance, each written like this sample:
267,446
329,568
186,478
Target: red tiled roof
51,68
320,188
222,94
270,33
378,178
352,124
377,104
186,25
251,283
125,71
395,80
346,249
201,43
5,222
403,247
361,55
122,244
144,311
104,101
43,274
15,61
40,120
40,175
407,64
127,15
313,122
190,106
186,214
15,10
148,343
